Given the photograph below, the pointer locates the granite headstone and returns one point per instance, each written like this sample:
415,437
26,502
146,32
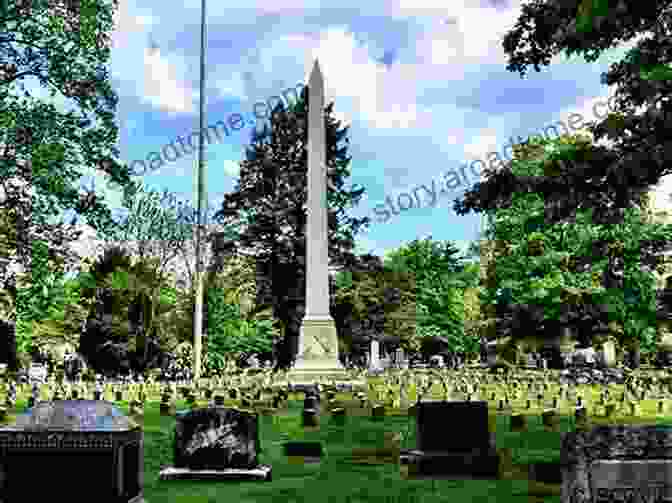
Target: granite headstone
59,442
216,442
465,449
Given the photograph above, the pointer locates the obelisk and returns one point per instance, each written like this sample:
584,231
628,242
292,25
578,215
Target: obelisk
318,343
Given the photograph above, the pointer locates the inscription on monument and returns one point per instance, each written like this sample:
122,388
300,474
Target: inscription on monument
631,481
647,494
617,463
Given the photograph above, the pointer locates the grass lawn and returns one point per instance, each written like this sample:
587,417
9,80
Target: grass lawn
337,478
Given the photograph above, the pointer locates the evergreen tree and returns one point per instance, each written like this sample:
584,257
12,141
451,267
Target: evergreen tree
269,204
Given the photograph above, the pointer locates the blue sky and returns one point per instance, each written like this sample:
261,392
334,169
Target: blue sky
423,86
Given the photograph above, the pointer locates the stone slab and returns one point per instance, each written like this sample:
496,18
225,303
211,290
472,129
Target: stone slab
617,463
483,465
634,480
262,472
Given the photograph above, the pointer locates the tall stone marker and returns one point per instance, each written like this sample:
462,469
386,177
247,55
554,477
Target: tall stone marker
318,343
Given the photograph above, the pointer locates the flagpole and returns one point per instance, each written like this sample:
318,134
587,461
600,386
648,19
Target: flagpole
198,308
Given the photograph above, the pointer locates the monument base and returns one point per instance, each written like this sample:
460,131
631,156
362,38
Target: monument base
311,375
317,360
261,472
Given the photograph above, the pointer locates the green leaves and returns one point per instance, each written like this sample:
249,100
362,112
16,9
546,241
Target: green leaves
550,279
67,45
229,333
440,282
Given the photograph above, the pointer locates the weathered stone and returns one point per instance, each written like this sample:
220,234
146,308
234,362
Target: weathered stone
601,463
74,415
216,438
63,440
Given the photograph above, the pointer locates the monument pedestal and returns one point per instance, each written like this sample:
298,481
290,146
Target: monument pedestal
318,354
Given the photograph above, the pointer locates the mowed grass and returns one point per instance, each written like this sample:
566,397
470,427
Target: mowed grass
338,477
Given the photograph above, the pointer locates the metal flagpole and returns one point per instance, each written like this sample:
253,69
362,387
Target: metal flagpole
198,308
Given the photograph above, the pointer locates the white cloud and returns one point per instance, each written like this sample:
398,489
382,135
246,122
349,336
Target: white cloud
126,23
162,87
483,144
456,33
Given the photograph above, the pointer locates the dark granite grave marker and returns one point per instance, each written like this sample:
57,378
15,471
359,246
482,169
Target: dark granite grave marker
61,441
303,452
433,417
466,451
216,443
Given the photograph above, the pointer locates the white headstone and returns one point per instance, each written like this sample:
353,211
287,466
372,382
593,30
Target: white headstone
374,356
399,357
608,354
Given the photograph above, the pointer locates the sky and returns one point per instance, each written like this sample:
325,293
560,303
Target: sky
422,84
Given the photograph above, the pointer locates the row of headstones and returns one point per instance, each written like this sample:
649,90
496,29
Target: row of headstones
472,376
629,397
465,389
390,379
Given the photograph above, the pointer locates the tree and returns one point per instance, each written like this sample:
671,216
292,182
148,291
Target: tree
441,280
590,176
153,228
155,234
582,175
370,299
230,334
472,305
122,331
65,45
37,295
63,323
269,205
548,276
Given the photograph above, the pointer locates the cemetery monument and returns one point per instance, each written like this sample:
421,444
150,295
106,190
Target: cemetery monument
79,450
318,343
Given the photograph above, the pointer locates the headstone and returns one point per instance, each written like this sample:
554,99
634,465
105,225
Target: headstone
304,452
374,355
399,357
531,361
216,443
62,440
617,463
253,362
608,354
465,452
518,423
311,411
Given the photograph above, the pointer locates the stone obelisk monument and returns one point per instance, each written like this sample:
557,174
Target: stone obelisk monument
317,356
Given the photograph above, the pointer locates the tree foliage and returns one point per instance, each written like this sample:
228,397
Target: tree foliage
590,176
441,280
370,300
123,329
579,176
43,151
581,274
